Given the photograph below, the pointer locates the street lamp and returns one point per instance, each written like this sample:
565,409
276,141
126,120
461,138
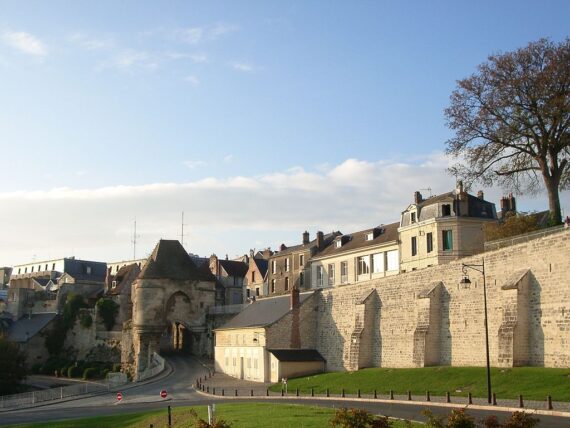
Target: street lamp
466,282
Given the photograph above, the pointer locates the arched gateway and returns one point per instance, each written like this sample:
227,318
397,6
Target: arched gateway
171,297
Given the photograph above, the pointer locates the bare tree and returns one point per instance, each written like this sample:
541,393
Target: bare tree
511,120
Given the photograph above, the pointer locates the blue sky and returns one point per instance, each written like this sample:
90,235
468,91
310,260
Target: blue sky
258,119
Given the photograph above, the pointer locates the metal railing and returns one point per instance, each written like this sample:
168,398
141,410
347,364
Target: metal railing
30,399
507,242
157,366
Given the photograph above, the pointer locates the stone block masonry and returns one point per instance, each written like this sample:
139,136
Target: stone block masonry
426,317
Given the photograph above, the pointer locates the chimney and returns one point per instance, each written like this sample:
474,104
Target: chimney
320,240
418,199
267,253
480,194
305,237
459,186
294,297
512,203
282,247
504,204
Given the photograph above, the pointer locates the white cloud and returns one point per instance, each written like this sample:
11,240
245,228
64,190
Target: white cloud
193,80
25,43
93,43
228,158
194,163
200,34
242,66
224,215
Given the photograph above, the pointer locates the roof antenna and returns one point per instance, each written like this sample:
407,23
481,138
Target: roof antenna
428,189
134,240
182,232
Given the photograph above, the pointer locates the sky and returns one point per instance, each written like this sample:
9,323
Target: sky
257,119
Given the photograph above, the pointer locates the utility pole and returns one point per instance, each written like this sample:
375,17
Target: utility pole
182,232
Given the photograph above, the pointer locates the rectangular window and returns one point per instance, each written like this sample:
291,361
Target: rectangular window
378,263
392,260
273,286
413,217
253,276
319,276
286,283
363,265
32,268
248,292
429,242
273,266
414,246
53,266
257,291
446,210
447,240
287,265
369,236
331,274
301,260
343,272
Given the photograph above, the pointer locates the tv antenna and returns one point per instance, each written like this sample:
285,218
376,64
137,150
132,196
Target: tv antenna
134,240
182,235
428,189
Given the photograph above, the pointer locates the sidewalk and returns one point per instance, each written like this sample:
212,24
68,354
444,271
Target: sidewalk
233,387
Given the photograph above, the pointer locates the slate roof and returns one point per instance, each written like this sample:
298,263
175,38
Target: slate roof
326,239
42,281
264,311
297,355
357,240
262,266
169,260
234,268
124,278
476,207
31,326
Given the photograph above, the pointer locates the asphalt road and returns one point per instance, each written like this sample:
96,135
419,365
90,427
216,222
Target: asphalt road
178,383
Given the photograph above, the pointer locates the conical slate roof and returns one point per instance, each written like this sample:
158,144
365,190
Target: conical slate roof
169,260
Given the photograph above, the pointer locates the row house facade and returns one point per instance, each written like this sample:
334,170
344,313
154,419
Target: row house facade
255,281
290,266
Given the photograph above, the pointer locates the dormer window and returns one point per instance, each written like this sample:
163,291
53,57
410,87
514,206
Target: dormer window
338,243
413,216
446,210
369,236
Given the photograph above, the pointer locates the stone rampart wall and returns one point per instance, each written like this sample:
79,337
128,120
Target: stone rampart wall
427,317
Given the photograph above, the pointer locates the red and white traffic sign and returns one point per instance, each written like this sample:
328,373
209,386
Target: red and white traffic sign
163,393
119,396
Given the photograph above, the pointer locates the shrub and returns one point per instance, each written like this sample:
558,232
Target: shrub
460,419
90,373
521,420
74,371
108,310
358,418
85,320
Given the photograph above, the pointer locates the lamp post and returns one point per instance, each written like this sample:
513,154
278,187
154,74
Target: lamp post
466,282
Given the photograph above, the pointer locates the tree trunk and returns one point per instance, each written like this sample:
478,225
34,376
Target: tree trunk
553,200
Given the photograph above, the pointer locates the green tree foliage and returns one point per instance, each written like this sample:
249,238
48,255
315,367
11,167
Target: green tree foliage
512,121
358,418
56,337
12,367
512,226
108,310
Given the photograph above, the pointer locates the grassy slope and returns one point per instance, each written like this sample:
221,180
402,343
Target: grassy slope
241,415
532,382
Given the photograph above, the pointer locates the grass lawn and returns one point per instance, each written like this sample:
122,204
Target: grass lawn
534,383
241,415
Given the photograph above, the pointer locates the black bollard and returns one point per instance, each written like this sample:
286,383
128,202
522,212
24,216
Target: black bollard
267,392
494,399
213,391
297,392
409,395
252,392
428,398
328,394
342,394
169,417
236,392
222,392
521,403
549,402
358,393
470,397
375,395
282,393
391,394
447,397
312,392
